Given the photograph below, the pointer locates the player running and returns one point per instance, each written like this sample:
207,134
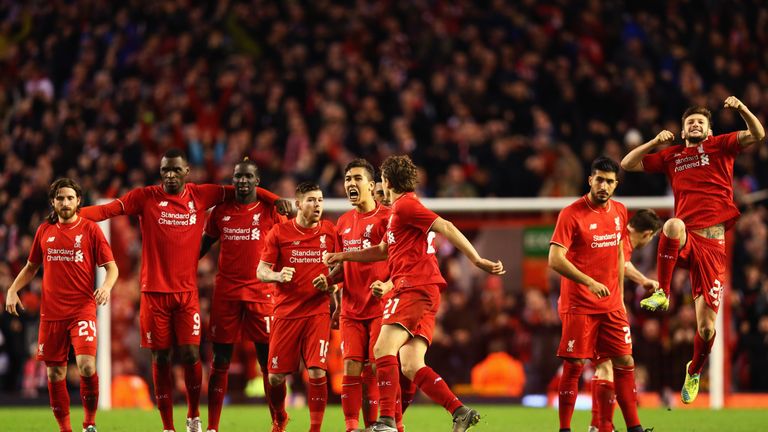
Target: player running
700,172
68,247
241,309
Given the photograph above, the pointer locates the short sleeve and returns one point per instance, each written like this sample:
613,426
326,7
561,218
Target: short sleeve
271,246
413,213
211,225
653,163
36,253
564,229
729,143
211,194
101,249
133,202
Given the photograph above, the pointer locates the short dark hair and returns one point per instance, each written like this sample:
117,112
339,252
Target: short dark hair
364,164
604,164
645,220
698,110
306,186
174,153
54,190
401,173
248,162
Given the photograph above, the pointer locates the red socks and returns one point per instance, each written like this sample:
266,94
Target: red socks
318,397
386,373
606,397
351,400
89,394
161,375
408,391
276,400
669,249
435,387
193,380
626,395
57,392
371,405
568,390
217,390
701,349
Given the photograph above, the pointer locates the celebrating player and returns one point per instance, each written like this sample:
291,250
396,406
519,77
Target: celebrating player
586,251
641,229
293,257
409,314
68,248
242,305
172,217
701,175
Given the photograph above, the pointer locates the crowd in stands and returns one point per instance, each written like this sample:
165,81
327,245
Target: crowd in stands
490,98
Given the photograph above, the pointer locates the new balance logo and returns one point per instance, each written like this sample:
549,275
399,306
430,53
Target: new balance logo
226,218
437,380
297,242
163,204
51,239
593,226
346,231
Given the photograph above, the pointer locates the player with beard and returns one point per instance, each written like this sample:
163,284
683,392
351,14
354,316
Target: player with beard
586,250
171,217
68,248
700,172
241,308
293,259
416,284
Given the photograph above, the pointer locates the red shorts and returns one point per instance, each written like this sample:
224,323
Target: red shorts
358,338
297,339
169,319
233,321
55,337
705,260
414,309
595,336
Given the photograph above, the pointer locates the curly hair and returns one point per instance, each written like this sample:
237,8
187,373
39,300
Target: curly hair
54,190
401,173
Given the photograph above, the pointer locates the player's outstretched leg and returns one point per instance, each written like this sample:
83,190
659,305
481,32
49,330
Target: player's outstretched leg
672,237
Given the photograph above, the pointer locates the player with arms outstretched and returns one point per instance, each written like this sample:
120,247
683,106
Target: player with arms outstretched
409,314
172,218
68,247
700,172
242,305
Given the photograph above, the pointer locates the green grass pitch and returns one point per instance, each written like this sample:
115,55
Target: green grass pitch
419,418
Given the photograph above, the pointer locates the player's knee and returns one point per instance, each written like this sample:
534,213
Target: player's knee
706,331
189,354
162,357
410,367
86,369
624,361
316,373
276,379
353,367
674,228
56,373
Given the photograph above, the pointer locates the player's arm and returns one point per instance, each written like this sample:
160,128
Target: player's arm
458,239
283,206
633,161
380,288
24,277
206,244
265,273
98,213
336,275
336,315
102,294
632,273
755,133
560,263
371,254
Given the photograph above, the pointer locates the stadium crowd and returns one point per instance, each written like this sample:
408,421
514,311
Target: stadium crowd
492,98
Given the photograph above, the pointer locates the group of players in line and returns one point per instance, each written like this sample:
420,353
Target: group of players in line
279,280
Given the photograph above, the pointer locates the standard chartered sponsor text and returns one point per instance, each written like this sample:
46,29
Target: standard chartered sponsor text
605,240
177,219
311,256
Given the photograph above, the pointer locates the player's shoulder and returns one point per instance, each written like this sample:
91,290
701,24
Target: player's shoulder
577,206
46,226
345,217
619,206
328,226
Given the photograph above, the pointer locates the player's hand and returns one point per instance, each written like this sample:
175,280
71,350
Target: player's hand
380,288
321,283
732,102
664,137
599,289
284,207
11,301
491,267
102,295
286,274
332,258
650,284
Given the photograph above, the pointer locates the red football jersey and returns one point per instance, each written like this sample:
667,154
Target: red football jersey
358,231
627,246
592,235
701,178
290,245
412,260
242,230
171,231
69,254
